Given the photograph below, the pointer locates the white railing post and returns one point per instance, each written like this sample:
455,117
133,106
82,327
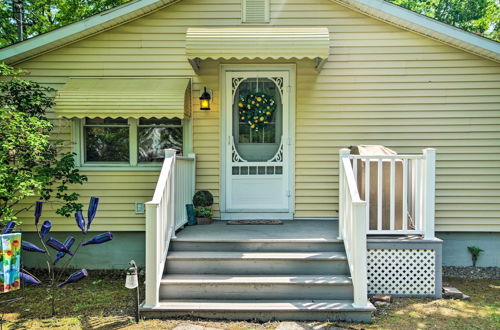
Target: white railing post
343,153
171,193
193,174
152,237
359,254
429,192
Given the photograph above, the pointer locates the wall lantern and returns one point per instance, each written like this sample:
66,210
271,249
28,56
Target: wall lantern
205,98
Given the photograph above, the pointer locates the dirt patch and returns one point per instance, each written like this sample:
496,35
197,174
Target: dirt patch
104,303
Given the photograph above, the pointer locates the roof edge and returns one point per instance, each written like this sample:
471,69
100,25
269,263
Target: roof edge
64,35
426,26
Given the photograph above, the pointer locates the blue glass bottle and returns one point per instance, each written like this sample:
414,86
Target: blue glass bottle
99,239
27,246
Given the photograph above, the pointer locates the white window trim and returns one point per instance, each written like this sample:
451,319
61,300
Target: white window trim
78,147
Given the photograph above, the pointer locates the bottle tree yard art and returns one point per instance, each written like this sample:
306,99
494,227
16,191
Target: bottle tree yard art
61,253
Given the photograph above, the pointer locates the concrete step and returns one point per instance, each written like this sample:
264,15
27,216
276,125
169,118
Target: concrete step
257,245
262,310
256,287
257,263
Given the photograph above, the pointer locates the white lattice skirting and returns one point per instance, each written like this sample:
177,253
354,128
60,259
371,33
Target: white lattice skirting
402,271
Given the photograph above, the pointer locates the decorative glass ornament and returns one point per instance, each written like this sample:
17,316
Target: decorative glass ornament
46,226
27,246
9,227
75,277
94,202
68,244
99,239
28,279
80,222
38,211
56,245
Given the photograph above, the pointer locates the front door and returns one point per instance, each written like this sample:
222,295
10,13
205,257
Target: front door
257,146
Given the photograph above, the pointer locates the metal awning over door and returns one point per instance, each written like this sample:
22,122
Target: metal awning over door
258,43
124,97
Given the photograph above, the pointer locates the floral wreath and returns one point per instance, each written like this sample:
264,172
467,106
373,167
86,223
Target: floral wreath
256,109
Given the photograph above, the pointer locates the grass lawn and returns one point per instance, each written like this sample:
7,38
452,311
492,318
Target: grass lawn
106,304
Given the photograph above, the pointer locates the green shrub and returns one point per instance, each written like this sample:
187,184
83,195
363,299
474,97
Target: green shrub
203,198
32,164
475,252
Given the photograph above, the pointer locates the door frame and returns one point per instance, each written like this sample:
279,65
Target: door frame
291,68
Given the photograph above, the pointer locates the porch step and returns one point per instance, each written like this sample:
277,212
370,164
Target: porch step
262,310
258,245
258,263
256,287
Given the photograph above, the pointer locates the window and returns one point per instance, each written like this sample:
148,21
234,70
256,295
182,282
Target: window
129,141
106,140
156,135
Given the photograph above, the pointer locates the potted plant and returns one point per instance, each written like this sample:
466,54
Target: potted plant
203,201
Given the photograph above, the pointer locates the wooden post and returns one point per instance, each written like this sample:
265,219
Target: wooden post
343,153
152,239
429,197
193,174
171,196
359,254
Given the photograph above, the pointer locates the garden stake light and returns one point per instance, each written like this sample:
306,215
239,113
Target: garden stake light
132,282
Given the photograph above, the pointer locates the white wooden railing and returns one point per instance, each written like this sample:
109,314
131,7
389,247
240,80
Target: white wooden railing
403,203
352,229
399,191
164,214
185,173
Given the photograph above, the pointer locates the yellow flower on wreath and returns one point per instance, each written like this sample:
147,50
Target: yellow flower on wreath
261,118
259,99
240,105
268,113
252,126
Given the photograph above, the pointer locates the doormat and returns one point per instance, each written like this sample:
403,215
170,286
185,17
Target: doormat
255,222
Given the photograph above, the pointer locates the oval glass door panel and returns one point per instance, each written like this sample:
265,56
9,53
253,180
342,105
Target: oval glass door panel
257,119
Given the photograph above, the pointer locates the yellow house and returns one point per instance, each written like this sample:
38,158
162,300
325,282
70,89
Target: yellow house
256,102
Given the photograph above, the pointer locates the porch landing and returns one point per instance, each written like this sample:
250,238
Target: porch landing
291,236
290,230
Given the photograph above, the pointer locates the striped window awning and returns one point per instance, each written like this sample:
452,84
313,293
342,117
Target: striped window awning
124,97
258,43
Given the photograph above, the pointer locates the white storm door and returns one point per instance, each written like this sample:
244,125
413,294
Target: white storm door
257,169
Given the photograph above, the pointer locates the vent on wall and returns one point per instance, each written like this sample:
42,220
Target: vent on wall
255,11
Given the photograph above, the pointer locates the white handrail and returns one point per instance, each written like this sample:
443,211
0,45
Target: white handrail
185,174
352,229
159,228
164,214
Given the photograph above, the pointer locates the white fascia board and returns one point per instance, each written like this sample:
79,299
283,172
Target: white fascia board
79,30
426,26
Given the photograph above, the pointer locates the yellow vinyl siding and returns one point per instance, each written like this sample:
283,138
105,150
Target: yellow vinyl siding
381,85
